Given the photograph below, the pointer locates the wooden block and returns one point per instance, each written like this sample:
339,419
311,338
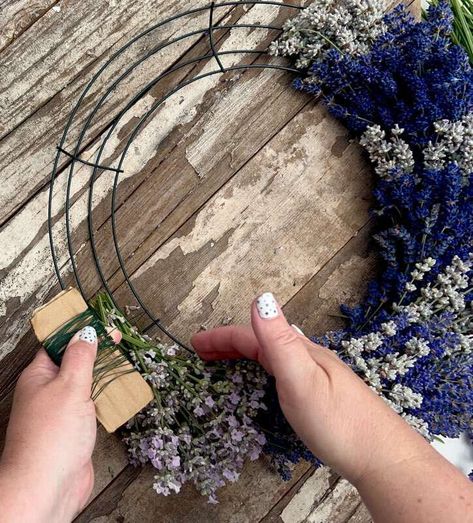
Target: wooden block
51,317
121,398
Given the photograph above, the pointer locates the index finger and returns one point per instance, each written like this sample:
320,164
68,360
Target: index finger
227,343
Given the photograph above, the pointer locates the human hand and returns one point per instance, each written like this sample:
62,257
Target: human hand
334,412
46,470
400,477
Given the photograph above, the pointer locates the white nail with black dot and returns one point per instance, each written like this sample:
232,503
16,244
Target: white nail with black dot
88,334
267,306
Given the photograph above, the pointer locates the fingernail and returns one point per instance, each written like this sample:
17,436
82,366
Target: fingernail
88,334
296,328
267,306
114,333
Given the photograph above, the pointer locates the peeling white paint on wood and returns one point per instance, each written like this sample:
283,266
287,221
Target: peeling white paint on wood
311,492
27,232
283,196
26,155
337,506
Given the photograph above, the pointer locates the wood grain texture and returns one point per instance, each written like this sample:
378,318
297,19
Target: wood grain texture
306,201
129,500
337,504
37,96
16,16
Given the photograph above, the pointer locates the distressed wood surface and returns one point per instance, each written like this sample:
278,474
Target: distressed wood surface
237,184
16,16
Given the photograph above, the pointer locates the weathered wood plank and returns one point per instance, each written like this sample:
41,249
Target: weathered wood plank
16,16
27,275
101,508
338,504
41,87
273,515
106,470
361,515
85,32
311,490
273,231
131,499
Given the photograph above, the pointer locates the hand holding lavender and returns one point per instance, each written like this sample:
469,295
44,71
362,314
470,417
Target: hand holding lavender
400,476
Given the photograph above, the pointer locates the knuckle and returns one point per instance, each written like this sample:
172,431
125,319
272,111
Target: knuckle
80,351
286,336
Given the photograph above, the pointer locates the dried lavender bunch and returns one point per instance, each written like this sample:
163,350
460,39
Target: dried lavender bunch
350,26
201,426
390,155
408,95
420,357
453,144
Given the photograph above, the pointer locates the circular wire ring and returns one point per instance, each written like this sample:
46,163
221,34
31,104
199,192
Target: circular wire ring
73,157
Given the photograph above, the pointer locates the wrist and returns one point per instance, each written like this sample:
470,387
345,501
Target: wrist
26,496
385,441
19,500
396,448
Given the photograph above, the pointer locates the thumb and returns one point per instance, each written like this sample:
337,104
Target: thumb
79,358
283,352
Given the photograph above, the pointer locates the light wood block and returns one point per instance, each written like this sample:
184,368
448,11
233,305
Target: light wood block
121,398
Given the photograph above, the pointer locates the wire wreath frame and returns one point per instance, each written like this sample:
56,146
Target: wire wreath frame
74,155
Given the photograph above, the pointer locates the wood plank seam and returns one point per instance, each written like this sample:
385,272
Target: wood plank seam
295,488
99,133
16,35
340,250
353,512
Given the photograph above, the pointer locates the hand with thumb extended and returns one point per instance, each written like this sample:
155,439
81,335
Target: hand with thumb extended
46,470
327,405
340,419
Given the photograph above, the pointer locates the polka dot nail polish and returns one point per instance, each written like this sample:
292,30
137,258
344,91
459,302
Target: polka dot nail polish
88,334
267,306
